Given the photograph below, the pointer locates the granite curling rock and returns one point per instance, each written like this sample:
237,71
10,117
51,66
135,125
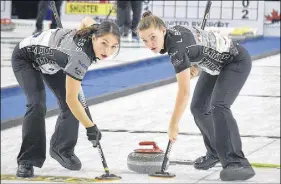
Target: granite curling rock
146,161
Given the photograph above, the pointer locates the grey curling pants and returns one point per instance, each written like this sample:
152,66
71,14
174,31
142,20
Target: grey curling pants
64,138
210,106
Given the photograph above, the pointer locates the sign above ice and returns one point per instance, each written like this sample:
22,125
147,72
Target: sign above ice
231,14
226,14
197,23
89,8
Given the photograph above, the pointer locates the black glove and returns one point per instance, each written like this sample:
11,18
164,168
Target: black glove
94,135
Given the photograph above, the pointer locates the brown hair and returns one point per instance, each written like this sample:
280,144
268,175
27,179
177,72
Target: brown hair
149,20
99,30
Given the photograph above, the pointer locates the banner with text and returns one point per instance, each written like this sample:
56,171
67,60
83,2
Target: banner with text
226,14
76,10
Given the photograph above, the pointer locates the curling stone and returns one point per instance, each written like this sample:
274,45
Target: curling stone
146,161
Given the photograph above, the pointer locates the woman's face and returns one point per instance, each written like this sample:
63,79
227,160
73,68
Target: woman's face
105,46
153,38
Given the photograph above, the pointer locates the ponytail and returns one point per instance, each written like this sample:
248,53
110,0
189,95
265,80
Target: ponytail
146,14
149,20
87,32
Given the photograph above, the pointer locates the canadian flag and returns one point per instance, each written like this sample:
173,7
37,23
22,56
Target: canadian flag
274,17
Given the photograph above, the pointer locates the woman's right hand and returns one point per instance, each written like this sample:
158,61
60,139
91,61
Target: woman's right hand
94,135
173,132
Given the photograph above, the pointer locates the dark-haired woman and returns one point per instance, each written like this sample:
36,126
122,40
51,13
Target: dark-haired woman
225,67
60,58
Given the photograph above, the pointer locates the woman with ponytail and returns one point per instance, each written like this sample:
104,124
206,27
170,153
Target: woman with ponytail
225,68
60,58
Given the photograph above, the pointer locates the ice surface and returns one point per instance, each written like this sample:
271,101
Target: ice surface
258,118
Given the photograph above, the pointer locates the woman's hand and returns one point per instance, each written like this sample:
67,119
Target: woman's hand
194,71
86,22
173,132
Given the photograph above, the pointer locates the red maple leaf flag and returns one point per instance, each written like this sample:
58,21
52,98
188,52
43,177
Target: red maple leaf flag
274,17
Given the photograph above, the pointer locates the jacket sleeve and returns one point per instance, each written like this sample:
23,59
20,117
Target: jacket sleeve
77,67
179,58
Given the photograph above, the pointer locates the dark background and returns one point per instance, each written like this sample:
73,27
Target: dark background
28,9
24,9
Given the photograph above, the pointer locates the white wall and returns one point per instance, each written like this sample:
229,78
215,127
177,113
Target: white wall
271,28
190,13
6,9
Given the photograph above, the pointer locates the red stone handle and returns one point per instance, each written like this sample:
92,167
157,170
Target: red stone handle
147,143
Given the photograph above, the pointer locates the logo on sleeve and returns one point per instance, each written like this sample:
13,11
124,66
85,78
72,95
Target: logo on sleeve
176,60
79,71
173,54
83,65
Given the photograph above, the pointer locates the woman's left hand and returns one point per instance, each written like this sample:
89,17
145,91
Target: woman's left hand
173,132
194,71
